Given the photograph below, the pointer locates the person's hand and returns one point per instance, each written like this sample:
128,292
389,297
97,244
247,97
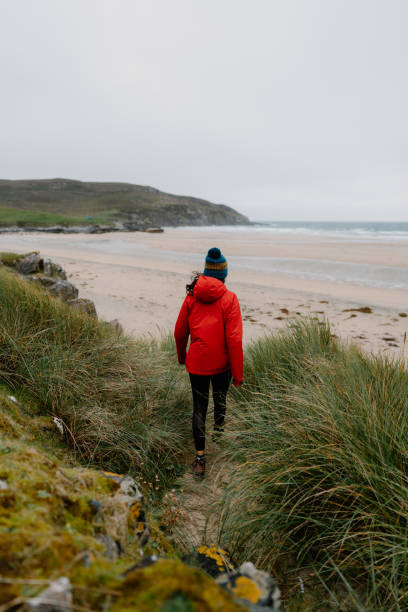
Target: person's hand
237,383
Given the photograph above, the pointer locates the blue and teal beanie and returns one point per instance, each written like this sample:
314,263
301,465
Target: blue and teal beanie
215,264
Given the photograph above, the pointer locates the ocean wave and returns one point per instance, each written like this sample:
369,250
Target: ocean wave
350,231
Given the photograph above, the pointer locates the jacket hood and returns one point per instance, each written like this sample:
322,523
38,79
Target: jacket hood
208,289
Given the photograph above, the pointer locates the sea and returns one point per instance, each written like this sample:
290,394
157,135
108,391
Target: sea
370,275
322,269
346,230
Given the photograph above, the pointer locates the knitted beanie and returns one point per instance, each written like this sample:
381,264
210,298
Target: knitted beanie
215,264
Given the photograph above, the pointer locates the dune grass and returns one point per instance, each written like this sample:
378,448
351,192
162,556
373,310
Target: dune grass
319,434
318,437
124,402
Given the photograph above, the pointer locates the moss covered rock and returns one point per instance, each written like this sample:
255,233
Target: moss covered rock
59,519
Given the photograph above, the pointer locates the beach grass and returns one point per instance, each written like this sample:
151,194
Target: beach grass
34,218
319,438
124,402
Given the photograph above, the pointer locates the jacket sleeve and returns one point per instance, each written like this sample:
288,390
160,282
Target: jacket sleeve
181,331
233,338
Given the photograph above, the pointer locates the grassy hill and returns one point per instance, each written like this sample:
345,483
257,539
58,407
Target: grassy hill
44,203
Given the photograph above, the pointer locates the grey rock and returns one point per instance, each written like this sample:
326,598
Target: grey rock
84,305
111,548
87,559
130,226
99,229
59,424
45,281
10,230
95,506
56,229
115,323
3,485
30,264
53,269
264,585
64,289
128,486
154,230
56,598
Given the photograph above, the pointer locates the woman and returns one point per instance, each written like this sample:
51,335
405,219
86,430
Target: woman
211,316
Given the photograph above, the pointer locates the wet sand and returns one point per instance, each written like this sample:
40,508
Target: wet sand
140,279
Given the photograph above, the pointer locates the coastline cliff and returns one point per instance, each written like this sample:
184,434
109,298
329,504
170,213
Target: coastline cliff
67,205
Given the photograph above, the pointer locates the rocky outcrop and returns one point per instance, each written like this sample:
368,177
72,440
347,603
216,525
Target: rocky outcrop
64,289
115,323
30,264
84,305
252,588
52,277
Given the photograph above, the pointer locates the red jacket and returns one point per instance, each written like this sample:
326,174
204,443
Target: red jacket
212,317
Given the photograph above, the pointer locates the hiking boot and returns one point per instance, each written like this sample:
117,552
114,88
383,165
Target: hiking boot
199,466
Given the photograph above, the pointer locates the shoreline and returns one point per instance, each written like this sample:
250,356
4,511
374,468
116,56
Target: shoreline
140,279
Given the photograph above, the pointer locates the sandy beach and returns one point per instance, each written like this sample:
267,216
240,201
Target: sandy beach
140,278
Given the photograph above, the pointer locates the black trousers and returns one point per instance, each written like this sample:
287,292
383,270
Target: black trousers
200,386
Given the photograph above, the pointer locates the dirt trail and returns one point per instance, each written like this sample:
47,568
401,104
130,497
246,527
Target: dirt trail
199,525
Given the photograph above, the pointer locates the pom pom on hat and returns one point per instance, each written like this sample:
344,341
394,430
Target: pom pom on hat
215,264
214,253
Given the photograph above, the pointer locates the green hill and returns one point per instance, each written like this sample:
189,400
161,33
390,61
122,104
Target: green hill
45,203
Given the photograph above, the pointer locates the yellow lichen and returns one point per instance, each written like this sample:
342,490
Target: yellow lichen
134,512
219,555
245,588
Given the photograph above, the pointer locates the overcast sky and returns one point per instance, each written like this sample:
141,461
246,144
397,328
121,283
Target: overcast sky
284,109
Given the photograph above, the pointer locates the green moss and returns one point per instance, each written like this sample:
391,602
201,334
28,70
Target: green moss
178,603
46,522
48,529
